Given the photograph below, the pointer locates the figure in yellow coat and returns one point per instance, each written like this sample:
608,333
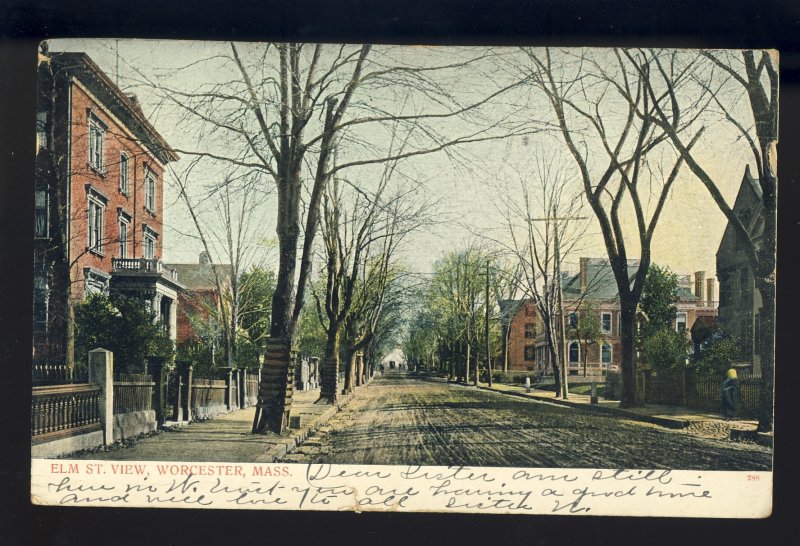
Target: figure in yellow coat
730,395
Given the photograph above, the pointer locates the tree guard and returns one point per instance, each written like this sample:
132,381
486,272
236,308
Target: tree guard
276,387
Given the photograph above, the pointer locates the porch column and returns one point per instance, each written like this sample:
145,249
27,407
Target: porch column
155,303
173,320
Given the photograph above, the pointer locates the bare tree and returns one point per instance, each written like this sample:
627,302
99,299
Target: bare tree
283,117
607,121
754,74
225,222
544,228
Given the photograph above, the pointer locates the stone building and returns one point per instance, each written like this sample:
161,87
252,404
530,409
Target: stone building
99,200
593,287
739,301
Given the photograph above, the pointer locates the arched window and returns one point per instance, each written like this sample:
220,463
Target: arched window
605,353
574,351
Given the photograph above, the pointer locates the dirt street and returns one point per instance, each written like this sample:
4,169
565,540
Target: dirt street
401,420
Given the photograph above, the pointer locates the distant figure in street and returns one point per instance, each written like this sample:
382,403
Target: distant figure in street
381,369
730,395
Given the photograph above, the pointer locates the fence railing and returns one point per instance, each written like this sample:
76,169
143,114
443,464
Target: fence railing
701,392
208,393
49,374
144,265
64,409
133,392
251,390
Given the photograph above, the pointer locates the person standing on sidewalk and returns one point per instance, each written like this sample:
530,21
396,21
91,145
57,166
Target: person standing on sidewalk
730,395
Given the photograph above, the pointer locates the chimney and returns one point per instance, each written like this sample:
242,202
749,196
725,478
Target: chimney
710,291
699,277
204,258
584,263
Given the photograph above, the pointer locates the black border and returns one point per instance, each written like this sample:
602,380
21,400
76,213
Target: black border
677,23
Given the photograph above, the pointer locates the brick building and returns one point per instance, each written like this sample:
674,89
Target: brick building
99,200
201,297
593,286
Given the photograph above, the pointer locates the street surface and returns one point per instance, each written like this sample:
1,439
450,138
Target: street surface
398,419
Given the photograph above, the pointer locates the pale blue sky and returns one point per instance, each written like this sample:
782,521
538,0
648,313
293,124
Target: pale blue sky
686,239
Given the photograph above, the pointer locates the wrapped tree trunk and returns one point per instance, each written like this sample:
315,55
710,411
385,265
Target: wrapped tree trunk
329,375
276,386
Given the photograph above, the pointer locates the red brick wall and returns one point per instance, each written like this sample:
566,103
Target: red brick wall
193,305
117,140
516,339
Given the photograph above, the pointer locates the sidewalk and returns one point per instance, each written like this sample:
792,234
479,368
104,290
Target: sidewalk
693,421
227,437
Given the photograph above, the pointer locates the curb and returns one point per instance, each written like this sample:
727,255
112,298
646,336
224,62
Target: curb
761,438
667,422
289,444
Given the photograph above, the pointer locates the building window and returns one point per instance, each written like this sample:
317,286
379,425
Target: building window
149,243
745,284
725,288
97,140
605,354
150,190
96,212
680,322
572,320
746,335
123,238
123,173
530,352
605,322
41,218
574,352
41,130
95,281
40,300
530,330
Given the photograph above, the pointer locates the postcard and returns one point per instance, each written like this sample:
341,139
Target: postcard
509,280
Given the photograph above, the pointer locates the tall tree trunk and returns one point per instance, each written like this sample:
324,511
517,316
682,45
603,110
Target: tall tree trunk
466,362
350,371
767,354
555,356
329,377
506,332
272,410
628,364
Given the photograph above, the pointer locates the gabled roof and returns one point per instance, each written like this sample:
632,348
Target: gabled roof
508,308
601,284
748,207
126,108
600,281
201,276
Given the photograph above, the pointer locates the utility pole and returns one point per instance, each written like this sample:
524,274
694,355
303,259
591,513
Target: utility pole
564,346
488,347
560,303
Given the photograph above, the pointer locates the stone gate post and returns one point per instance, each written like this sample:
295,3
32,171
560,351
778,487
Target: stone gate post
101,372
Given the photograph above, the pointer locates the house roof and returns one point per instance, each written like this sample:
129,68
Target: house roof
201,276
81,66
748,207
600,285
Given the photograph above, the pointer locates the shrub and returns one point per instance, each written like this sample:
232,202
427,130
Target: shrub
123,325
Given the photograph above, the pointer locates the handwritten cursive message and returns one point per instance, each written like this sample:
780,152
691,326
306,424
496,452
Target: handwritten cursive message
401,488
